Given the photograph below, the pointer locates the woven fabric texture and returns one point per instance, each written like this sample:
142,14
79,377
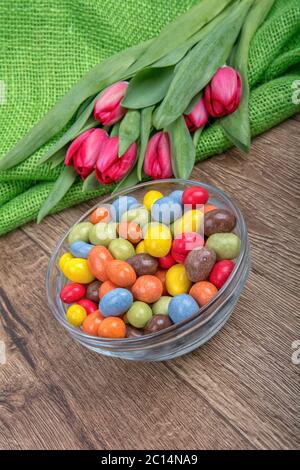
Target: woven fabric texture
47,46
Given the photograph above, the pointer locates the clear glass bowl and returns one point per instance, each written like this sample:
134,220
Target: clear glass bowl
178,339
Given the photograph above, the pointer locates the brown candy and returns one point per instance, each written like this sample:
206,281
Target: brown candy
143,264
133,332
219,221
199,263
92,291
157,323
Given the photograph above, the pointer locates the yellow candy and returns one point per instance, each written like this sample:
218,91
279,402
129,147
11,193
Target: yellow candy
140,248
177,281
76,314
191,221
150,198
157,240
77,270
64,259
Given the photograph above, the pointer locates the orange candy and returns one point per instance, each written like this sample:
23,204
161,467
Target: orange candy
120,273
208,208
112,327
131,231
147,289
162,276
92,322
106,287
203,292
98,258
101,214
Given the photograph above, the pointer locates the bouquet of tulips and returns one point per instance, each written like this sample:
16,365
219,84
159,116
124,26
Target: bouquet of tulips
141,112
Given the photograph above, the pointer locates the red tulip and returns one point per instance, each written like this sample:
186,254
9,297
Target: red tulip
108,109
157,163
109,167
198,117
84,151
223,94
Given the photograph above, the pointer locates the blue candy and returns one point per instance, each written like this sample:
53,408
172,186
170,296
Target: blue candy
80,249
165,210
176,196
182,307
122,205
116,302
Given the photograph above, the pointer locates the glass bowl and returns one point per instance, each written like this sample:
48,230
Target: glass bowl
180,338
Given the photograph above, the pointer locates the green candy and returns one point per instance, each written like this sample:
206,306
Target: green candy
80,232
225,245
121,249
139,314
102,233
140,215
161,306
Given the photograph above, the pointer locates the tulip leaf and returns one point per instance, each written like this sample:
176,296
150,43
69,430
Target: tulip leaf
146,125
60,188
59,157
115,130
129,130
193,103
91,183
83,106
106,73
183,152
148,87
197,136
199,66
129,180
237,125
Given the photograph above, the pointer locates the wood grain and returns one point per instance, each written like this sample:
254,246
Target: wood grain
239,391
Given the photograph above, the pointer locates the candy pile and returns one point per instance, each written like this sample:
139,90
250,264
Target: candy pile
136,269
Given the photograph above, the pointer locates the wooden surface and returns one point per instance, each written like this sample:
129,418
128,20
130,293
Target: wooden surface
240,390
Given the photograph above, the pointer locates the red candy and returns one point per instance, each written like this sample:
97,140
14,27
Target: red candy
221,272
72,293
184,243
166,262
195,196
88,305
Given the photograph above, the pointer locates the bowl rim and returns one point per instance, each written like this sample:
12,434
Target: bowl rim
199,319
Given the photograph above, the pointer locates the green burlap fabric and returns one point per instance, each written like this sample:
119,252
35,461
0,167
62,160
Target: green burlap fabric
46,46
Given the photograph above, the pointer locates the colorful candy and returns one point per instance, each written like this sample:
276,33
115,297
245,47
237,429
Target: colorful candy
137,269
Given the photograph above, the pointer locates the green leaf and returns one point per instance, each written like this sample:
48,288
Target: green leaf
200,64
115,130
183,151
129,130
237,125
60,188
179,31
146,125
59,157
148,87
197,136
193,103
83,106
102,75
91,183
129,180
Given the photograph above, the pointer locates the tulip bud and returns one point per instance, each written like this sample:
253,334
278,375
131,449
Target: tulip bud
108,109
223,94
109,167
157,163
198,117
84,151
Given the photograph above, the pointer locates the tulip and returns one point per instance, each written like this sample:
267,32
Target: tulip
223,94
157,162
84,151
111,168
198,117
108,109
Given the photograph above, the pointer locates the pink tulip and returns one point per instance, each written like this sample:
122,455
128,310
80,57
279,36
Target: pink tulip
84,151
108,109
223,94
157,163
198,117
109,167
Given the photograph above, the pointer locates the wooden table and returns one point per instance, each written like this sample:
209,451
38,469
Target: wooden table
240,390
